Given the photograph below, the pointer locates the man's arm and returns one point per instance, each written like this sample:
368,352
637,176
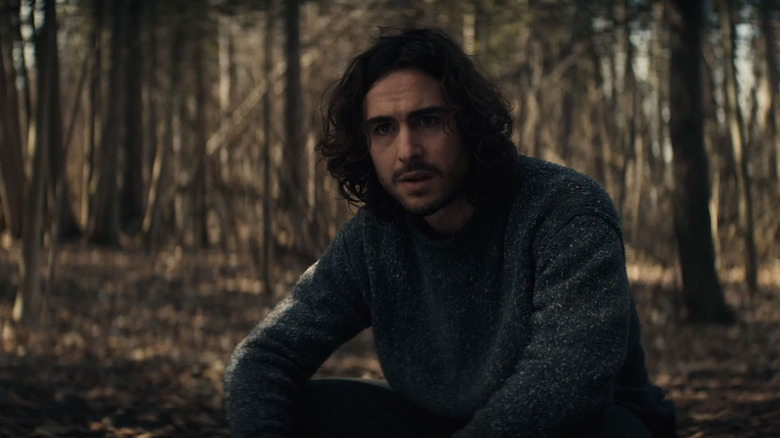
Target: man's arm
268,370
579,341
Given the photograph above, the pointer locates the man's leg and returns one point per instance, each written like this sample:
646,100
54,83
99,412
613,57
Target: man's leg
618,422
358,408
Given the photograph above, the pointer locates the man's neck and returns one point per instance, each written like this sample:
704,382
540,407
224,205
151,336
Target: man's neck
451,218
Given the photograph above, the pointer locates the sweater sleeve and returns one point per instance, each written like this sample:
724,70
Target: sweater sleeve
579,338
268,370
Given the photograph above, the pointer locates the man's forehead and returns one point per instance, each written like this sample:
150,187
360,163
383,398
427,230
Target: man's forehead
401,92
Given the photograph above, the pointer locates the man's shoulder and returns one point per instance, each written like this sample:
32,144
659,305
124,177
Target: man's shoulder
535,171
365,225
548,186
546,178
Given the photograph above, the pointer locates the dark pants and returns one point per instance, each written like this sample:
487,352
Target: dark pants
352,408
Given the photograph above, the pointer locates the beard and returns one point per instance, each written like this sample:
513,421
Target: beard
452,188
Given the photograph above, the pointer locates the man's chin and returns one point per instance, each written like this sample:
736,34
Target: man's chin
425,208
426,204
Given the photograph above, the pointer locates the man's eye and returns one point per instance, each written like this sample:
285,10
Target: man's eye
383,129
428,121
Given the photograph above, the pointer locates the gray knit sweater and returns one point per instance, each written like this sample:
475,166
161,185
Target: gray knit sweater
522,323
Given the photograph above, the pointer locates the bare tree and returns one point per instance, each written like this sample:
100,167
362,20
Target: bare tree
199,179
29,296
104,215
267,214
702,292
293,188
94,109
772,77
740,152
131,193
161,166
64,220
12,177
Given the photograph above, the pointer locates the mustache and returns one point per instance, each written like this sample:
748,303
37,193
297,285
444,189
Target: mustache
415,167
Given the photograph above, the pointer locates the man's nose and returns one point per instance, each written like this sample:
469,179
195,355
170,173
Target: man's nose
409,147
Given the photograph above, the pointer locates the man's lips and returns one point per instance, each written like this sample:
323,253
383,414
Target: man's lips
415,176
416,181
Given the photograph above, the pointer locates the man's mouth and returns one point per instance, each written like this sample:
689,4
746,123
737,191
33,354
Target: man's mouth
415,176
416,180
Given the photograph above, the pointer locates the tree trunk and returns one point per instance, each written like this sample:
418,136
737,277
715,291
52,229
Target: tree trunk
227,67
469,29
712,141
131,194
597,119
104,217
160,165
660,168
28,298
199,182
773,78
24,77
93,112
293,190
12,177
530,127
267,195
628,113
736,125
702,292
66,226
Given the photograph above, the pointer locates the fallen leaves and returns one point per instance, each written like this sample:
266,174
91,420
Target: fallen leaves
136,346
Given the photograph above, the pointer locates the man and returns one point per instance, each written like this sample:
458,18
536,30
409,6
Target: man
494,283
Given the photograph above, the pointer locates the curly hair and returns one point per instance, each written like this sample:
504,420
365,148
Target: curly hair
481,115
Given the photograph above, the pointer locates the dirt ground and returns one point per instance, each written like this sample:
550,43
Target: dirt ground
133,344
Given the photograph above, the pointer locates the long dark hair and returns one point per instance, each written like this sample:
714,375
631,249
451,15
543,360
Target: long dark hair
481,114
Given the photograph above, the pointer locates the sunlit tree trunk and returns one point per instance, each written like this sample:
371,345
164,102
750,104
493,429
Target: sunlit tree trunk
65,221
633,170
29,297
267,194
469,29
224,160
150,101
740,152
531,108
181,149
596,119
659,60
712,148
94,109
702,292
24,78
627,104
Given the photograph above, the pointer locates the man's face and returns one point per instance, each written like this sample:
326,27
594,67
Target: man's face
415,147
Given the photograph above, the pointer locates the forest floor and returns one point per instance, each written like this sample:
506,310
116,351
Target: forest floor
133,344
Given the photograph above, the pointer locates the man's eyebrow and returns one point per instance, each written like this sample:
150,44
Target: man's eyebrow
379,119
437,109
430,110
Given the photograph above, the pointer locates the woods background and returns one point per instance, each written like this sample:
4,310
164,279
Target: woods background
160,188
